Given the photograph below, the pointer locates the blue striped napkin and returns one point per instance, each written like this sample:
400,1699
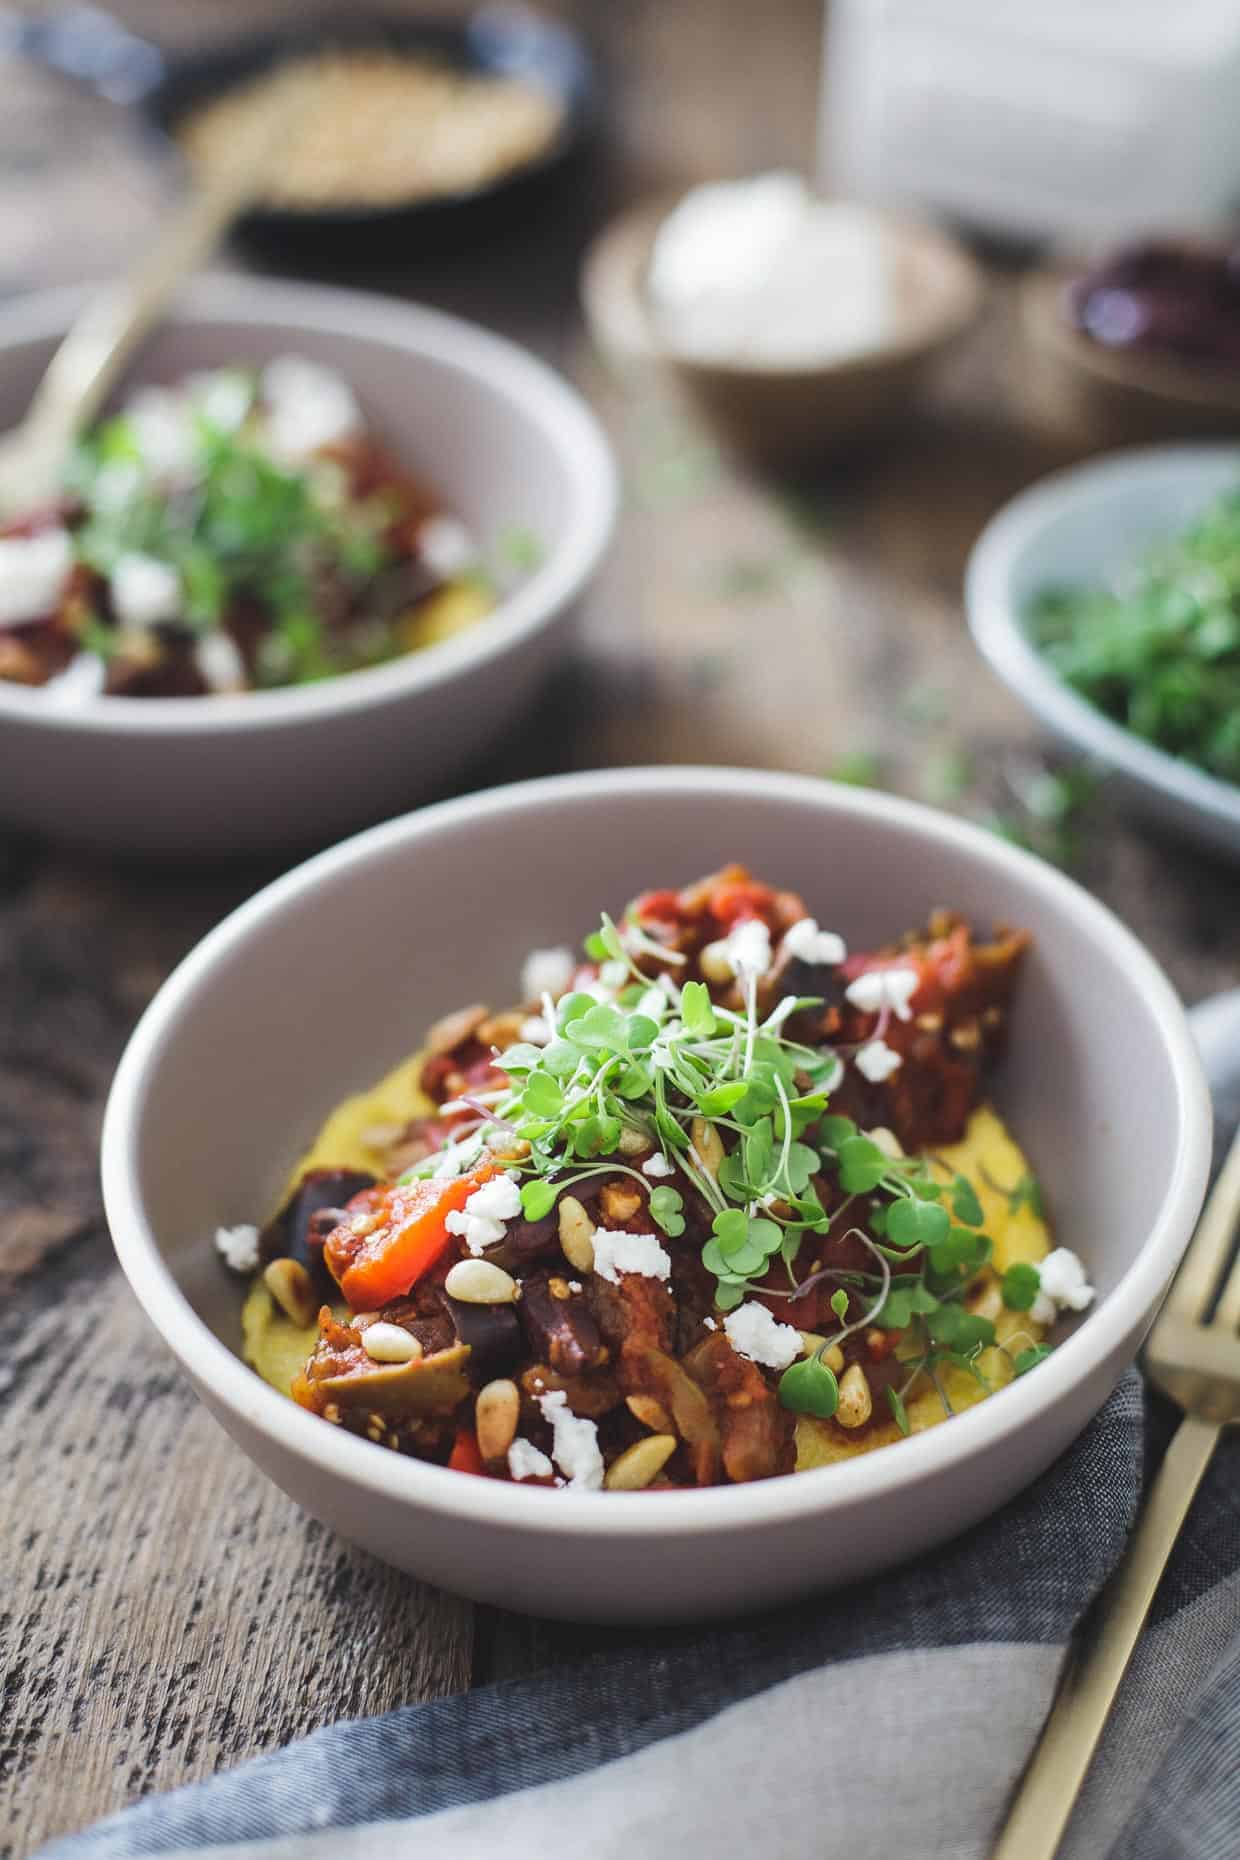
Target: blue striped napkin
890,1720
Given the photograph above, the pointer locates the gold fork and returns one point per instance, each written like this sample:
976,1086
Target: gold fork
1192,1355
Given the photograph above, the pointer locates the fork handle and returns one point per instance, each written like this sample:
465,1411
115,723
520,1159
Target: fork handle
1048,1790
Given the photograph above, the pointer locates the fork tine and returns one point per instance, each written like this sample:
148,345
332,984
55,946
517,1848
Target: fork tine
1207,1254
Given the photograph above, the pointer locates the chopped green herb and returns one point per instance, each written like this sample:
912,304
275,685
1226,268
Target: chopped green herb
1020,1286
1159,651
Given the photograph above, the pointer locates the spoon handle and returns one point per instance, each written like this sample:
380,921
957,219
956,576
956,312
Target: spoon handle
112,325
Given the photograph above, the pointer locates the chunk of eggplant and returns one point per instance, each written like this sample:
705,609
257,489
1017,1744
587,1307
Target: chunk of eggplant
491,1333
561,1331
296,1233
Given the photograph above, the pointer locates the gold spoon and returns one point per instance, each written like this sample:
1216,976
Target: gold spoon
109,329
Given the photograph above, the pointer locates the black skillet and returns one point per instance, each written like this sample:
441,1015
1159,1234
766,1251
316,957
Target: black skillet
83,43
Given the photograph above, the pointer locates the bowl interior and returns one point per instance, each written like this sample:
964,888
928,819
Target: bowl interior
1094,523
317,987
436,392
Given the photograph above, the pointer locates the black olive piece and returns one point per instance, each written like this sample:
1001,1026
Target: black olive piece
492,1333
535,1239
561,1331
295,1233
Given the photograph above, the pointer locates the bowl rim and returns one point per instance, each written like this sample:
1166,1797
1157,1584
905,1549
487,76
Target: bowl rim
508,371
613,290
233,1386
999,634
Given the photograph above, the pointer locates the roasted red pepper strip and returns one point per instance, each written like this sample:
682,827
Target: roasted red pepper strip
465,1456
393,1235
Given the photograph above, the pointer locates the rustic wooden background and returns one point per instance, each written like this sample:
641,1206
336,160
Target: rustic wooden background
163,1610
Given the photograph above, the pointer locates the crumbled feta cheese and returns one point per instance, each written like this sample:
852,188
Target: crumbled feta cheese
145,591
497,1200
219,660
1063,1286
619,1252
525,1461
658,1165
885,988
575,1285
307,406
748,949
574,1444
222,396
446,546
116,483
475,1230
238,1246
547,972
808,943
33,573
481,1222
163,432
753,1332
81,680
877,1061
710,1323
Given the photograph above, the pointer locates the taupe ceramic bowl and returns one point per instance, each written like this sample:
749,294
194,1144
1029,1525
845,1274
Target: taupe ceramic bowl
509,445
788,416
316,986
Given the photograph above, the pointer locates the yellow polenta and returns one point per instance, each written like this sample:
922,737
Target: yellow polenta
355,1136
987,1156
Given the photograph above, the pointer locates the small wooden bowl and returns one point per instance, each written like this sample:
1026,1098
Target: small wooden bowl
787,416
1083,392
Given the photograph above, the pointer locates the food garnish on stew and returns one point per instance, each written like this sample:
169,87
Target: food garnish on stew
720,1201
240,530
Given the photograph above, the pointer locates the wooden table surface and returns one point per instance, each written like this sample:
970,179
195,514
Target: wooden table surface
165,1610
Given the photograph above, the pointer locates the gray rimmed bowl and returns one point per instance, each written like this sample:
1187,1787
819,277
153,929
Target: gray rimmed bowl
507,443
1083,526
328,977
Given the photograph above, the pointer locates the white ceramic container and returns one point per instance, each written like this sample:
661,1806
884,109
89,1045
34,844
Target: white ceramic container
325,979
508,444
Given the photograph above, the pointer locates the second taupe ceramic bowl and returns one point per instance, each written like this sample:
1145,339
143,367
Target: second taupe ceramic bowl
510,447
323,981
